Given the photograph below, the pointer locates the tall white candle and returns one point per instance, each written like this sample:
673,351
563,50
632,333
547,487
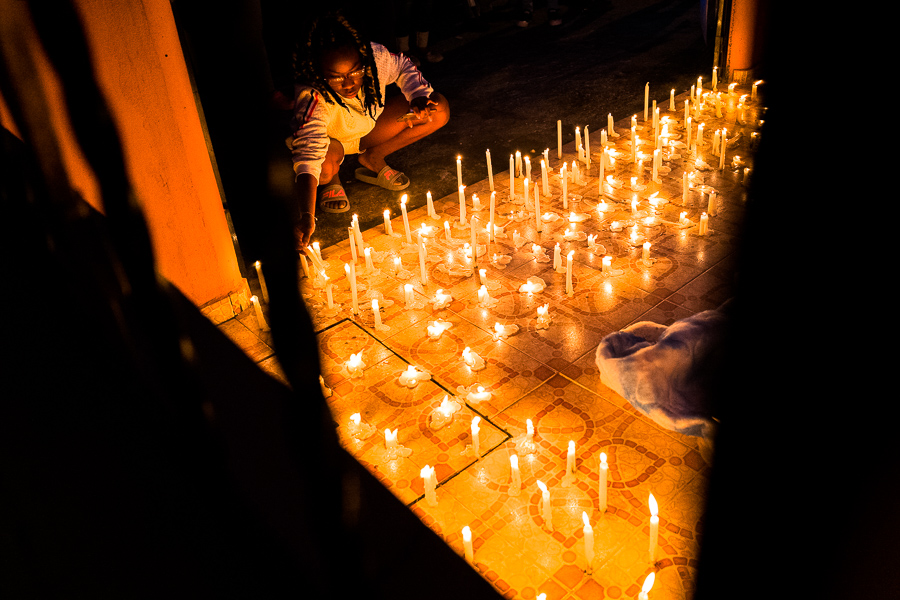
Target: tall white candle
462,205
358,235
352,235
711,207
376,313
724,141
704,224
447,233
646,98
557,258
610,124
546,511
570,290
544,180
529,431
405,218
518,163
329,295
588,540
467,544
262,281
370,266
475,430
351,275
422,271
563,175
570,458
715,78
515,483
260,318
559,139
387,223
430,202
587,147
459,171
645,255
672,100
408,294
512,178
528,167
654,527
490,169
491,223
603,484
474,227
305,264
430,482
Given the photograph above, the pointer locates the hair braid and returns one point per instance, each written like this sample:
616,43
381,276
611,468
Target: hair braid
329,32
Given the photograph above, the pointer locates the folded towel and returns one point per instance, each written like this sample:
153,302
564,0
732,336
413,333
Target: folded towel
662,371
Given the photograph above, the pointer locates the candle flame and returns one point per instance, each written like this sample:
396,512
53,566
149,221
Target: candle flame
571,447
403,200
514,461
355,418
584,517
467,534
648,583
654,507
480,389
541,486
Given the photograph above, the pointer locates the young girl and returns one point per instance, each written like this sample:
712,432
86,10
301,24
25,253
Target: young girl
340,109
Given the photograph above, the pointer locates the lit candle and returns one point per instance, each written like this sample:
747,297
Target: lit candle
684,186
467,544
559,139
329,296
648,585
430,201
474,227
715,78
512,178
357,234
570,290
544,181
528,167
387,223
350,270
430,482
475,430
515,485
490,169
370,266
610,124
529,428
525,194
447,233
654,527
355,365
390,439
724,140
482,275
646,98
408,294
601,488
405,218
459,171
753,91
672,100
352,233
557,258
607,262
645,255
587,147
260,318
376,312
422,271
570,460
462,205
704,224
262,281
588,540
711,207
565,186
546,512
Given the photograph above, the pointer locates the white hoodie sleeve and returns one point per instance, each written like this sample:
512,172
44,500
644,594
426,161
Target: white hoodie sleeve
397,68
309,143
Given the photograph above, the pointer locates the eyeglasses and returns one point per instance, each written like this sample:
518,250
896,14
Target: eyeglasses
353,76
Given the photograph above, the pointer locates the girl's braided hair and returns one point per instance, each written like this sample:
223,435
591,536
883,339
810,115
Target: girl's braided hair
329,32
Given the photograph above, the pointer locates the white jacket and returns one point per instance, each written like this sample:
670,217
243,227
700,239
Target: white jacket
316,120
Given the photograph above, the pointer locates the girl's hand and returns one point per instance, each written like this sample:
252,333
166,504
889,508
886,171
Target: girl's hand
422,107
304,230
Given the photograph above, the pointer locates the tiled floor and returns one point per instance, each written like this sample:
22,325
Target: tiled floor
546,375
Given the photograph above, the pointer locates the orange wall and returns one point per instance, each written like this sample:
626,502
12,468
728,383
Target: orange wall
141,70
